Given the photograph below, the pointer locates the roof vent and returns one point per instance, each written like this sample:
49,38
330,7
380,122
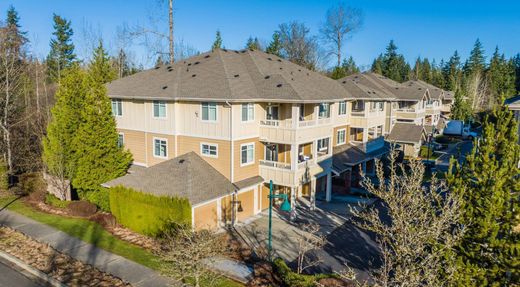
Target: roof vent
189,64
251,50
279,85
169,70
237,52
196,63
164,87
237,75
157,67
207,56
299,70
281,68
397,88
181,161
279,60
243,51
420,88
292,79
344,82
194,75
308,74
291,72
269,58
267,77
225,50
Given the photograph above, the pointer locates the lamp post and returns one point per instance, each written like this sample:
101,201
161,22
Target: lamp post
286,206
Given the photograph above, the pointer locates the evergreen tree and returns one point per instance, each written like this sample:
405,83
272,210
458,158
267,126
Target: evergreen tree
394,65
98,157
217,44
377,65
15,37
437,77
489,186
275,47
476,62
461,109
452,73
501,76
416,71
58,150
253,44
426,71
62,54
516,64
347,68
100,67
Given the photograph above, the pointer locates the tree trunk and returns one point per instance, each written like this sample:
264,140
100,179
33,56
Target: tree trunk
171,32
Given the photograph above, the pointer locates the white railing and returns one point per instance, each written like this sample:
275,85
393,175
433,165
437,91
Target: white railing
307,123
358,114
408,110
275,164
323,121
276,123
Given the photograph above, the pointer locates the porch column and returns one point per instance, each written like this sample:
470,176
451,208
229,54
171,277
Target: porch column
328,192
294,156
313,194
295,115
316,113
292,216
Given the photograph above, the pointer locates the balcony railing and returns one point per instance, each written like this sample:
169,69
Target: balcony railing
406,110
288,123
275,164
358,113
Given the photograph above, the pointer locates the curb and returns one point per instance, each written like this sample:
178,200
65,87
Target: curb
49,281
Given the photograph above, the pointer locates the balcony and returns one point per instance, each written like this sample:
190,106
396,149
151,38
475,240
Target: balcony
282,174
286,131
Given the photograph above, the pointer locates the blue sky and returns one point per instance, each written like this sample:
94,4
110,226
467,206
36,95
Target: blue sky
426,28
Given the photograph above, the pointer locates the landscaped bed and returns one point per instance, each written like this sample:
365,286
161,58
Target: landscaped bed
53,263
91,232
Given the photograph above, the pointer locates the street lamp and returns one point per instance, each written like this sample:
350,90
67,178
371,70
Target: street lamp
286,206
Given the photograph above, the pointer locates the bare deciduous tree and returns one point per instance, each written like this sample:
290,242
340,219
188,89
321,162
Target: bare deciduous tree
416,241
310,240
299,46
188,253
341,22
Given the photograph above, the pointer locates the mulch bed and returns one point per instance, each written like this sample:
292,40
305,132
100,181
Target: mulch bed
53,263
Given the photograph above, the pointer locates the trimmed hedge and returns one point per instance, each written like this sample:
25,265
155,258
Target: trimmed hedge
148,214
293,279
100,197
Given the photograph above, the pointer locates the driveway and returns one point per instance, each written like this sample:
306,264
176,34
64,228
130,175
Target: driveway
459,151
345,242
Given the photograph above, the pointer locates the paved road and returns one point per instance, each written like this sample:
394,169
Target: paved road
459,151
9,277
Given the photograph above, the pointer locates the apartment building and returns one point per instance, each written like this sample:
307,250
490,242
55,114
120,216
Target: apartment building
253,118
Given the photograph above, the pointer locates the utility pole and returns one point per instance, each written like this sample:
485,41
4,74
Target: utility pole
171,32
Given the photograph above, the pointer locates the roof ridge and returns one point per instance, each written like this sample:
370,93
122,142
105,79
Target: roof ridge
219,51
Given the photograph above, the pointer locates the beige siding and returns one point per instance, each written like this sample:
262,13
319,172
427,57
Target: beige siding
221,163
247,200
190,123
205,216
134,141
246,171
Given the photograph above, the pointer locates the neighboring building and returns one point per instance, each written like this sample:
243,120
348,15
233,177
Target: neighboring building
514,105
447,103
433,104
408,137
255,118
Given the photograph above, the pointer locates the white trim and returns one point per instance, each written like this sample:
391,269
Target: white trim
139,164
153,152
115,100
193,218
344,137
165,110
216,113
209,144
254,151
339,109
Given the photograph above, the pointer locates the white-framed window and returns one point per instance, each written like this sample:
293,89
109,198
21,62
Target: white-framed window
209,111
120,140
160,147
210,150
247,153
341,136
159,109
248,112
324,110
342,109
117,107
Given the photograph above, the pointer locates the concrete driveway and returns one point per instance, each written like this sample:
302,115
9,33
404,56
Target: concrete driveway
459,151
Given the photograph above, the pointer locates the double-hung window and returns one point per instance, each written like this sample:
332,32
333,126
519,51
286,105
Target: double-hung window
247,153
324,111
248,112
159,109
117,107
160,148
209,111
342,108
341,136
210,150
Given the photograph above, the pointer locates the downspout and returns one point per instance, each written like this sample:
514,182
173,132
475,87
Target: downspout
234,197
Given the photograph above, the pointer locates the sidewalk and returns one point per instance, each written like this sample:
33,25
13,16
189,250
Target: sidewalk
129,271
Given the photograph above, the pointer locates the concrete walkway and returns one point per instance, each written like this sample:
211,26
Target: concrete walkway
128,271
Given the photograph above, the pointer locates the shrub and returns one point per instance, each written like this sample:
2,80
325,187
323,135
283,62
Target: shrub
148,214
32,182
100,197
290,278
4,176
50,199
82,208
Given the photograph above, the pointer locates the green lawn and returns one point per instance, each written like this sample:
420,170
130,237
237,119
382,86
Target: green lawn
93,233
427,152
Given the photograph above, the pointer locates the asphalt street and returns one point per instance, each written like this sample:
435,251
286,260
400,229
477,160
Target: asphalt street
9,277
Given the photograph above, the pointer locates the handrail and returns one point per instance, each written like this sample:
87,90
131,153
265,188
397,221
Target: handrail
275,164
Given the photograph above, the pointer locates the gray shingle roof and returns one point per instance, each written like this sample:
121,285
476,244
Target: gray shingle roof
435,92
347,155
221,75
187,176
406,133
248,182
362,87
